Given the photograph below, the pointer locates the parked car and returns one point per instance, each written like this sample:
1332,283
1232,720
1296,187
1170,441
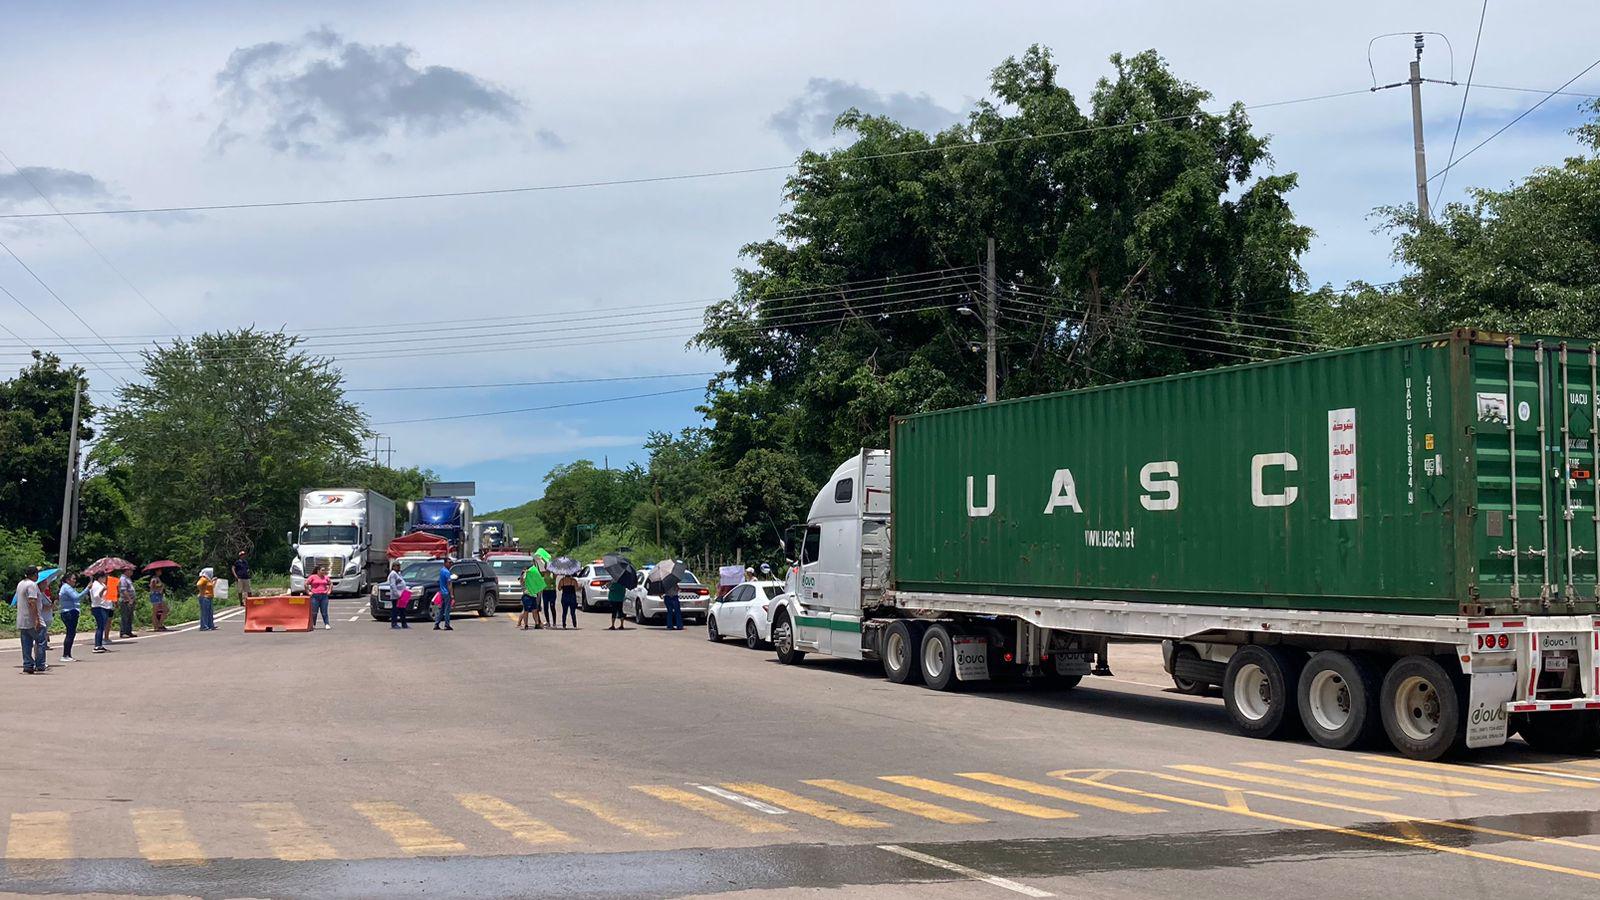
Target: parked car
649,608
596,581
508,569
744,610
472,581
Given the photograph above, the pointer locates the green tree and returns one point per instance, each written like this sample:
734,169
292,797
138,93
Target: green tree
219,438
1123,251
35,418
580,493
529,529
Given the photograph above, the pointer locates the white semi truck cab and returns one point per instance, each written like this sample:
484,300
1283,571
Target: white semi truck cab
347,530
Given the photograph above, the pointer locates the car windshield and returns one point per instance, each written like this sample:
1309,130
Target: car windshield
422,571
328,534
510,566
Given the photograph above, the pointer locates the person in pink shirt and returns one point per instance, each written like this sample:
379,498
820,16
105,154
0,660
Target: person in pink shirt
317,587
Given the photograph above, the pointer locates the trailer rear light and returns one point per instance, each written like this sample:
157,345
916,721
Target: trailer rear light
1494,642
1504,641
1007,657
1582,474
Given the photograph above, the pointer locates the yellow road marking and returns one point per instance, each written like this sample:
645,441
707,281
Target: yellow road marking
288,834
1347,793
509,818
714,809
1409,829
409,831
957,792
1478,770
630,824
1235,801
896,802
1449,780
788,800
1050,790
38,844
1352,832
1357,779
1359,810
164,838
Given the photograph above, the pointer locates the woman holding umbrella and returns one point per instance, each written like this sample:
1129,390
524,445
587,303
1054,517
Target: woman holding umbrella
158,592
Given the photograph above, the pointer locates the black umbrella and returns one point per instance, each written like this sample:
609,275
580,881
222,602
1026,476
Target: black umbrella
616,564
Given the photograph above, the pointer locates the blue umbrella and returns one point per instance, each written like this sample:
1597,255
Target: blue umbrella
47,574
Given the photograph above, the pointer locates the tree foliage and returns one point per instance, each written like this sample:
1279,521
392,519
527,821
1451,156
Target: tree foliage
35,420
220,436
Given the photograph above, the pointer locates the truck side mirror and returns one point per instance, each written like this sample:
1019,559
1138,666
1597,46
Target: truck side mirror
289,536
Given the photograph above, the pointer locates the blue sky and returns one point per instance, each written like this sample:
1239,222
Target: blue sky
178,104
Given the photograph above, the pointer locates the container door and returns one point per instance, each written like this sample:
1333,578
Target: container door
1576,492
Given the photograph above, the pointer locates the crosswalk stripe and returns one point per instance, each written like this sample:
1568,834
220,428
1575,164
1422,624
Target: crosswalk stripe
509,818
713,809
409,831
288,834
164,837
1357,779
38,843
898,803
789,800
1347,793
1429,777
1048,790
982,798
630,824
1477,770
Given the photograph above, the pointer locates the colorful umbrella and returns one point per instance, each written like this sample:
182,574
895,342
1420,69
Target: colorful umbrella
160,564
105,565
564,565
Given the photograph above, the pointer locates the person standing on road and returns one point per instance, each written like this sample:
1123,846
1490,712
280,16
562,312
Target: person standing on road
397,585
533,584
241,575
441,614
30,621
100,607
317,586
67,607
158,603
669,596
205,589
126,598
569,600
615,595
547,599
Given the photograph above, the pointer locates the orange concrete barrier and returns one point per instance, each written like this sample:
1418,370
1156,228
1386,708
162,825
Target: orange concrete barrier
282,613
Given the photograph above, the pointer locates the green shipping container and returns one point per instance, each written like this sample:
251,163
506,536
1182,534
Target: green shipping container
1377,479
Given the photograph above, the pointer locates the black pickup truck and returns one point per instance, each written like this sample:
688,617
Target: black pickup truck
472,583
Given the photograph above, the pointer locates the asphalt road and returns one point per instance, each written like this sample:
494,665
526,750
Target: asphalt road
360,762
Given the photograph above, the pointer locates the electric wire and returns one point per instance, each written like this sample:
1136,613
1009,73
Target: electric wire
1520,116
1462,115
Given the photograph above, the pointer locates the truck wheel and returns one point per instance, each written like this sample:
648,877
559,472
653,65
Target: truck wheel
1570,731
1185,685
1339,700
938,659
1422,708
783,640
1259,691
899,654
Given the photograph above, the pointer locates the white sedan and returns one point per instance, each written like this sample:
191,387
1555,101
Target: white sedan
744,610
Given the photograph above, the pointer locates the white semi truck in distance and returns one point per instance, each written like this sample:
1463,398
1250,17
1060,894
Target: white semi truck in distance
348,530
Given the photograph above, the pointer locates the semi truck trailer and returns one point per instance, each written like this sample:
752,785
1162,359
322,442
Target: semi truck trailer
1394,543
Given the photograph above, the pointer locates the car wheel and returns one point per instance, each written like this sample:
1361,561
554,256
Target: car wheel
638,612
490,603
712,634
752,637
783,640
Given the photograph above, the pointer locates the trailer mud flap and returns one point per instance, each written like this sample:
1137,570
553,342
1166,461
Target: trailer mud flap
972,657
1486,708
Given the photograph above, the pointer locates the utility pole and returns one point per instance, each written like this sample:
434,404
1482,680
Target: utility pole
1416,130
989,392
69,498
388,449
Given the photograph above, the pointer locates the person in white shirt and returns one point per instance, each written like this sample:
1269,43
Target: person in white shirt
100,608
30,621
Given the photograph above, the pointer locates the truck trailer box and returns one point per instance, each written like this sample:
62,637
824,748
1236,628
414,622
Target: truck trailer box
1447,475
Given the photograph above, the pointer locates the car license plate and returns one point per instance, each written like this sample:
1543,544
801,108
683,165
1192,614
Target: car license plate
385,604
1555,663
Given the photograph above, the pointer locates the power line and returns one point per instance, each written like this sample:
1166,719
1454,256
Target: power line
1520,116
64,305
1462,115
528,409
25,308
505,384
658,179
85,239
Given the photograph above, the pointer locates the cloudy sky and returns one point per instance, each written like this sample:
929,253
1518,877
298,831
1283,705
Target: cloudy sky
184,104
